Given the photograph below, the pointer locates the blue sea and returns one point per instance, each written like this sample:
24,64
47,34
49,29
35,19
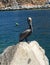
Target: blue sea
9,32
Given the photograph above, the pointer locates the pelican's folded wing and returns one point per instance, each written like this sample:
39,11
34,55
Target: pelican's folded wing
25,34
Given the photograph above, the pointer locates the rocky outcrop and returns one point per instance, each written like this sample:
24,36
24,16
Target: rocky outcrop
8,54
25,1
31,1
16,4
24,54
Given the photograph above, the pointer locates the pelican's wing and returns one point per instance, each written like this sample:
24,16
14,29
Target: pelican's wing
25,34
26,31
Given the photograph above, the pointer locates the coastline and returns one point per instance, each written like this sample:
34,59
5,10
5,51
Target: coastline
25,9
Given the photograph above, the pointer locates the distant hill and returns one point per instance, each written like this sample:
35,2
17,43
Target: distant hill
7,3
32,1
24,1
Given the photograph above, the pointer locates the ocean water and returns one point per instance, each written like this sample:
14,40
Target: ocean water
9,32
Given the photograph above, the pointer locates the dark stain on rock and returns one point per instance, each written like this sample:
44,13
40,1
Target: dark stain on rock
0,63
29,60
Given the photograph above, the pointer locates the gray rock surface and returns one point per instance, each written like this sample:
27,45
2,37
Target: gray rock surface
24,54
7,55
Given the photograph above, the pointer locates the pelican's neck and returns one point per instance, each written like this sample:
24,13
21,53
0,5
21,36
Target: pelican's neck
30,26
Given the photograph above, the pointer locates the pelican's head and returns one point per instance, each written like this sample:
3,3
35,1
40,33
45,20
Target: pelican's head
29,19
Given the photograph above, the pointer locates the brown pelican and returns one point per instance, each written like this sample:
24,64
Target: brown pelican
27,32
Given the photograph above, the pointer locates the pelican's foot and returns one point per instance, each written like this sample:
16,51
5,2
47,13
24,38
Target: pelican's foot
28,42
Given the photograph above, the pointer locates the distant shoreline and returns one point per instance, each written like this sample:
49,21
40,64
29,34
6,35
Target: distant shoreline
25,9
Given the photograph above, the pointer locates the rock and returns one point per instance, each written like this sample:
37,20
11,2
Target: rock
21,4
24,54
0,59
8,54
